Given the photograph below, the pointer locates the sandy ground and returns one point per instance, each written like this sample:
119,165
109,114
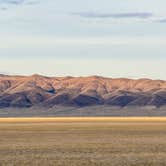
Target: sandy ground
83,141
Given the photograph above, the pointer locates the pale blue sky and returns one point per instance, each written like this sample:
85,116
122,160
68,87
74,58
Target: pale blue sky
122,38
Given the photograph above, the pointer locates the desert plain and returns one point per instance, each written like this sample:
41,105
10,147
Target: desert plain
88,141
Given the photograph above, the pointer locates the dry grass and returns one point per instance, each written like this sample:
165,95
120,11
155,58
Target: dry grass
81,119
83,141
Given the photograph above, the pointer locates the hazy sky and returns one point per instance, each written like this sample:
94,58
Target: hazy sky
114,38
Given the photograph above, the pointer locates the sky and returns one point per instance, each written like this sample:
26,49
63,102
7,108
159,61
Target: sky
122,38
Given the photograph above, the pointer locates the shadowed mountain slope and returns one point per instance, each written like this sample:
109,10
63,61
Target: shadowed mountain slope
27,91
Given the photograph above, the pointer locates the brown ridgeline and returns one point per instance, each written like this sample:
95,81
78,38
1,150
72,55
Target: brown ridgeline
37,90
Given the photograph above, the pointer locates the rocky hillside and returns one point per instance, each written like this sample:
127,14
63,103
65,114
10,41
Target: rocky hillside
27,91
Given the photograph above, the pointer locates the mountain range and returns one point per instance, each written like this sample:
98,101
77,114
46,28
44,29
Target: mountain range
42,91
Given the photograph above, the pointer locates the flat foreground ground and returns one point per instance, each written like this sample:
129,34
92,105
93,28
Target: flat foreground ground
83,141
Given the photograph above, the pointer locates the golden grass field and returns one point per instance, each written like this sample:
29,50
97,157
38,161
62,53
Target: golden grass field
83,141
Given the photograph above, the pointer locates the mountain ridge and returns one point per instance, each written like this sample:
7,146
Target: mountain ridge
43,91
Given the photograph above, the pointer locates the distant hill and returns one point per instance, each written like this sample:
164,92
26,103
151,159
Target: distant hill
36,90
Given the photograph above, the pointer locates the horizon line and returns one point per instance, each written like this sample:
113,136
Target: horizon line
85,76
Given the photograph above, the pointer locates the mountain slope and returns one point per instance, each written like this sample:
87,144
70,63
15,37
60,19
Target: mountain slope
27,91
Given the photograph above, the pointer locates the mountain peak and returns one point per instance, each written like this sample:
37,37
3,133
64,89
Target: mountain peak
36,75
